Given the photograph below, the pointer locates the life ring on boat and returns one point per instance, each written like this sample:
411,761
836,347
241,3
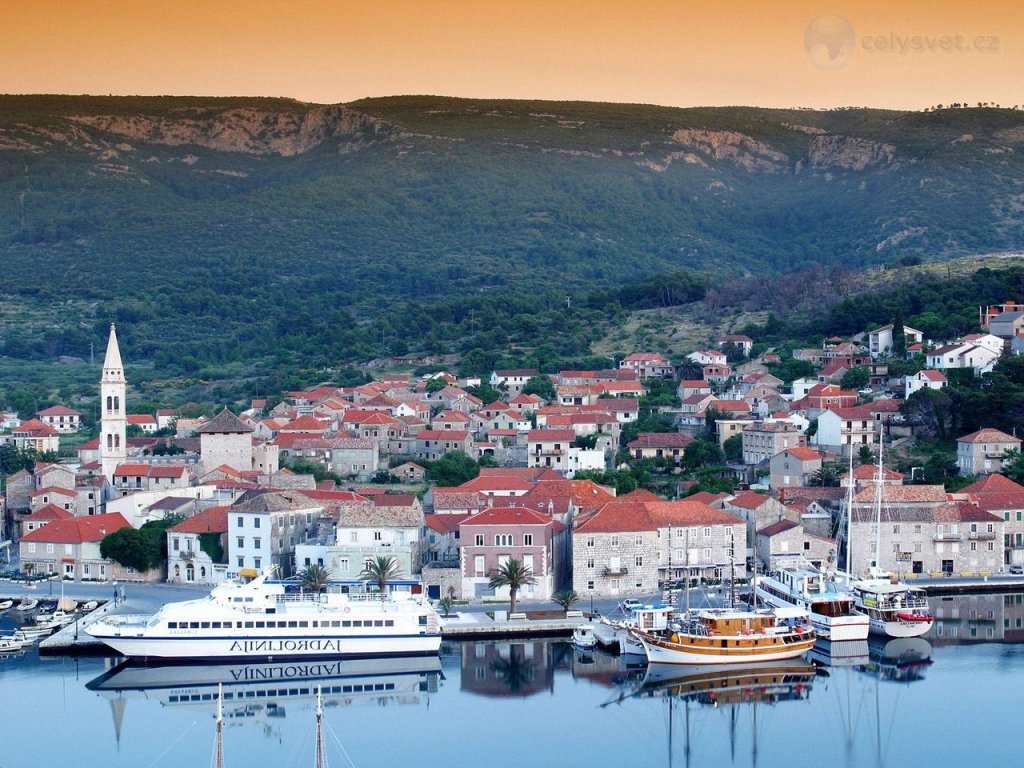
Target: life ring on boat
711,633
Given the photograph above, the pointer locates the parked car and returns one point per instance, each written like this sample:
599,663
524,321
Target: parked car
1017,570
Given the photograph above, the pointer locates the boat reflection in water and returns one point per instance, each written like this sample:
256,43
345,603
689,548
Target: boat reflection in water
844,653
740,684
902,660
261,689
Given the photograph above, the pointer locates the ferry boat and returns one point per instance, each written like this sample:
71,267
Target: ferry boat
893,608
726,636
832,611
262,619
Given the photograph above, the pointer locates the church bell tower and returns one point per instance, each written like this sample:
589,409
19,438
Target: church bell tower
113,424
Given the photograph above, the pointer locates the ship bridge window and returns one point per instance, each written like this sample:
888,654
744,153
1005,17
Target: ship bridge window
389,622
261,624
193,625
172,625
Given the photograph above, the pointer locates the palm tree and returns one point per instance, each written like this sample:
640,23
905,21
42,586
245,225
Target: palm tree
315,577
381,569
567,598
514,575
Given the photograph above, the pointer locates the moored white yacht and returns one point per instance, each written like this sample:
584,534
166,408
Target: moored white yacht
804,586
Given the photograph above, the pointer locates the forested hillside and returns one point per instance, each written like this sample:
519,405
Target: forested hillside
270,235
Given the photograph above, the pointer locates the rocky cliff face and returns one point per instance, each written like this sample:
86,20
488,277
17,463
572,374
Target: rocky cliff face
848,153
743,150
245,130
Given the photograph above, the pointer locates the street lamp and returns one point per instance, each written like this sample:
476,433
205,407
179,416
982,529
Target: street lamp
591,605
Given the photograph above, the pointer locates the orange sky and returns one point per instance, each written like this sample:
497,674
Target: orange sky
674,52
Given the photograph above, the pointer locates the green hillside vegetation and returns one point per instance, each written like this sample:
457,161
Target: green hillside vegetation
269,243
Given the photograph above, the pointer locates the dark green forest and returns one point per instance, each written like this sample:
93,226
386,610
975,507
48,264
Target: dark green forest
275,243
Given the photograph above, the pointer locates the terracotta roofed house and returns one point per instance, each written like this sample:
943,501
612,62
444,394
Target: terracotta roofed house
982,452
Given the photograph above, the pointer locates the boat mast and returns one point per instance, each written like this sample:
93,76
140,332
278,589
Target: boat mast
319,729
849,517
878,506
219,743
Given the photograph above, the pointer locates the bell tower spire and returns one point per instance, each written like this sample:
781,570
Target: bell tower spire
113,424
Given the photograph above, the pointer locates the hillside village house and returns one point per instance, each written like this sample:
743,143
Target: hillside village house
264,528
738,340
963,354
129,478
630,547
758,511
493,536
61,418
550,448
787,541
70,548
513,381
34,435
192,544
762,440
1004,498
955,537
432,444
657,445
391,526
880,340
845,429
981,452
648,365
793,467
926,379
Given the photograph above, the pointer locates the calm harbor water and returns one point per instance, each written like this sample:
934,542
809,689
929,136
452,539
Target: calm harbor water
946,700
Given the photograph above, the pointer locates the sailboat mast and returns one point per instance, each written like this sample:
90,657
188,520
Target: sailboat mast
878,507
219,744
849,518
319,729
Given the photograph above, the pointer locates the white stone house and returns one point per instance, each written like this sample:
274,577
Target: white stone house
632,547
880,340
981,452
189,544
926,379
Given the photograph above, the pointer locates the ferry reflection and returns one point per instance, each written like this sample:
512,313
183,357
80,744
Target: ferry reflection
263,688
509,668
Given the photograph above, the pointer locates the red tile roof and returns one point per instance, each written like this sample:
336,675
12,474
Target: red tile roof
779,527
988,435
52,490
749,500
803,454
78,530
212,519
49,512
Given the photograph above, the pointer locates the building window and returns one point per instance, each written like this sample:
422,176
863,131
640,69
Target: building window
503,540
257,563
377,535
638,539
590,585
638,561
175,543
478,539
241,522
241,561
343,563
590,562
255,522
590,541
707,532
527,539
353,537
256,543
241,542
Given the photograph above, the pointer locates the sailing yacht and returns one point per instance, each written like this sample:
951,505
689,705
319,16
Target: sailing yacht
894,609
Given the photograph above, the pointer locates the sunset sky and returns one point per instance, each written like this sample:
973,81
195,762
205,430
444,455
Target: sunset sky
680,52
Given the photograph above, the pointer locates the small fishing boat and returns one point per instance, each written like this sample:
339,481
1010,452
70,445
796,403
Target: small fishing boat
583,637
36,631
27,604
92,605
6,605
55,618
15,642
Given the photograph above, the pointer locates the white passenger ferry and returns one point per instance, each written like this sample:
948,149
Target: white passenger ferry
832,611
261,619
